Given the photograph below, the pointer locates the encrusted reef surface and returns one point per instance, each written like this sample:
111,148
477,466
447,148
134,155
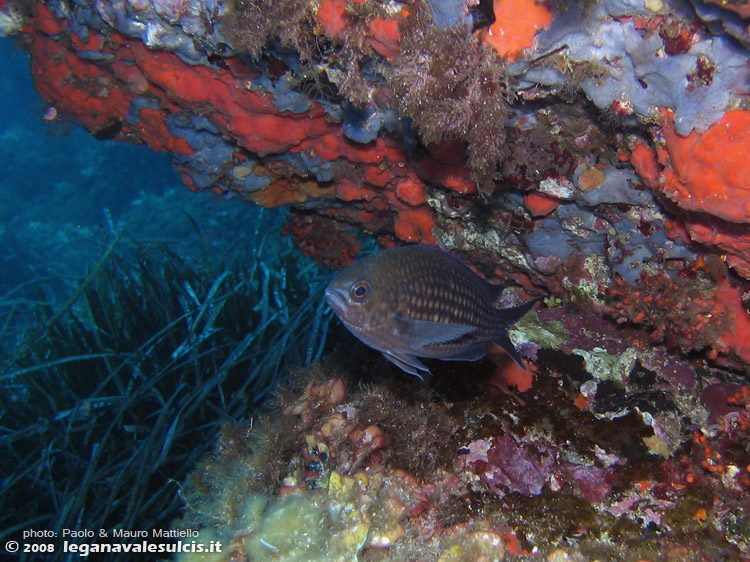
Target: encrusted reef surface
390,470
595,152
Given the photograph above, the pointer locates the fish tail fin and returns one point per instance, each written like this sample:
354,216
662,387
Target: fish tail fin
504,341
508,317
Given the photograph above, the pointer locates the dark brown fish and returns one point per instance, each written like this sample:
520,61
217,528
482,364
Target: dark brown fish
418,301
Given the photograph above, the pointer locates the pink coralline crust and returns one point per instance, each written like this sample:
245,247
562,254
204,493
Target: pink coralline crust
520,469
593,482
504,464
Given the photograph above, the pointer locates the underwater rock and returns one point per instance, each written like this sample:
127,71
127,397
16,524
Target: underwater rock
264,126
336,500
725,16
633,61
328,474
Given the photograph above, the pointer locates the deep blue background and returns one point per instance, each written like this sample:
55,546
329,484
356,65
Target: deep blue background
59,186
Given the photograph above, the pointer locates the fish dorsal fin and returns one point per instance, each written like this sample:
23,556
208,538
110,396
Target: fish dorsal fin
417,334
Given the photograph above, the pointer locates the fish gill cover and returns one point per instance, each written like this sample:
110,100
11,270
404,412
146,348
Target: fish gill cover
592,151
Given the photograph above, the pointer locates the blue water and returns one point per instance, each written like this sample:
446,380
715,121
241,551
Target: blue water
63,192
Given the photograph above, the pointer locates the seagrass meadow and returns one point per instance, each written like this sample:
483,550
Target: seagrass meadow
110,398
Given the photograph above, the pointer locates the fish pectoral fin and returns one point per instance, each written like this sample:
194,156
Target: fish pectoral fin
417,334
409,364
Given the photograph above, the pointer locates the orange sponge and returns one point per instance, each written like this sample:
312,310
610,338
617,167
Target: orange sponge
516,24
709,170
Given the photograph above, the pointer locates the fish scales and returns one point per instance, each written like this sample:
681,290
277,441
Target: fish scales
418,301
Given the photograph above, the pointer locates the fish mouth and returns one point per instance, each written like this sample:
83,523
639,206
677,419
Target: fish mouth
335,299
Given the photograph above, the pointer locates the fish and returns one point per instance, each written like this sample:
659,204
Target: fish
418,301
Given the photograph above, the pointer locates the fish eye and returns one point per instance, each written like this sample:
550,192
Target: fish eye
360,291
